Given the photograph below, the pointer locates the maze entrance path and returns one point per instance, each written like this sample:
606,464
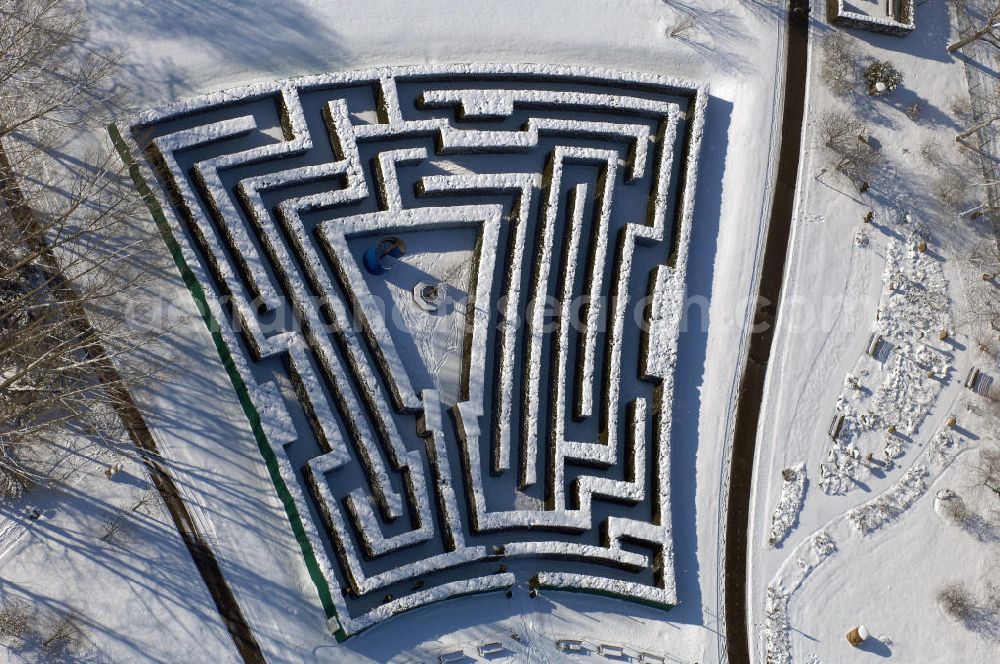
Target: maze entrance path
520,431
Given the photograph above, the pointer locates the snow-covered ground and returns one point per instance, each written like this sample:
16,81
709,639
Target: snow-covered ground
106,555
174,50
856,538
863,383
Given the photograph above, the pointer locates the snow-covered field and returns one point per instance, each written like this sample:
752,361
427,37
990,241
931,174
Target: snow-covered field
178,50
106,555
872,349
329,550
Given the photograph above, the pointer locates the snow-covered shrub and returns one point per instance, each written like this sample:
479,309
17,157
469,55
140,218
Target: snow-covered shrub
953,508
61,637
930,152
684,24
881,76
956,601
776,637
960,107
992,598
112,528
951,190
874,514
15,619
786,514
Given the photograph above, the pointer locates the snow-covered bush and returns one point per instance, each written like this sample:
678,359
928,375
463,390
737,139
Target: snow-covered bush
684,24
953,508
930,152
61,637
992,599
776,637
786,514
874,514
951,190
881,76
15,619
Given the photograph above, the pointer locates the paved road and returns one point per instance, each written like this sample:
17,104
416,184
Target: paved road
751,390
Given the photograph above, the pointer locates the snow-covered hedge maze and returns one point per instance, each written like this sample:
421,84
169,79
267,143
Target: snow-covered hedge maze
522,432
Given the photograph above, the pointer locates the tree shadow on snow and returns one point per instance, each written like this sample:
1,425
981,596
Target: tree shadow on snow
281,43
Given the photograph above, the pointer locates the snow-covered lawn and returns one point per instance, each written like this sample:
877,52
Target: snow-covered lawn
856,444
179,50
105,555
872,348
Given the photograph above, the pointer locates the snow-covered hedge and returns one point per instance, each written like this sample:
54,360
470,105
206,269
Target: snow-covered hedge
786,514
900,25
876,513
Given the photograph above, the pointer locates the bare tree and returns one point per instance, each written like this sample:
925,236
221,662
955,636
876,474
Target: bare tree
987,28
985,255
685,23
61,637
954,508
984,306
956,601
846,137
987,116
67,246
986,470
113,528
840,63
979,113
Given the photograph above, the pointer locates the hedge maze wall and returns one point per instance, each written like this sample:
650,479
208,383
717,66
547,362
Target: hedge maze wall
568,195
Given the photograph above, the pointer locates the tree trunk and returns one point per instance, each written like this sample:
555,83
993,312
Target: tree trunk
972,130
969,39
